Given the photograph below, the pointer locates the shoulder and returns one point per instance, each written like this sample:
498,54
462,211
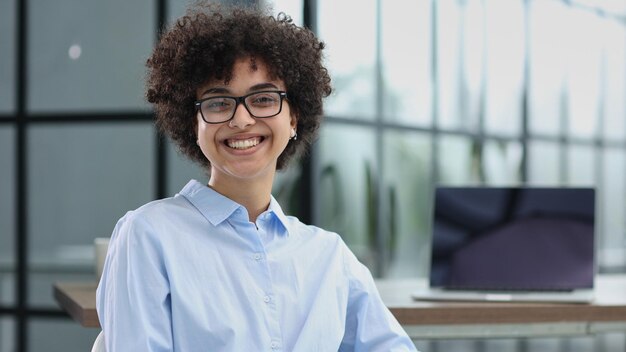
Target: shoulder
317,238
171,206
160,210
154,215
310,232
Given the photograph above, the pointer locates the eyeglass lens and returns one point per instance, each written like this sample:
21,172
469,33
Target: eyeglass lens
261,104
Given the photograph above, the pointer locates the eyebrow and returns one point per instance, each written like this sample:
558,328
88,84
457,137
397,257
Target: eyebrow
256,87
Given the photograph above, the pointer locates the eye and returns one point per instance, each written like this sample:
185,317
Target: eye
264,99
217,104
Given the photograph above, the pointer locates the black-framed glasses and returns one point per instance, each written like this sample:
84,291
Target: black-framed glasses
261,104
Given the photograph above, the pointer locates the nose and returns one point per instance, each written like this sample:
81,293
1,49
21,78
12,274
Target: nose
242,118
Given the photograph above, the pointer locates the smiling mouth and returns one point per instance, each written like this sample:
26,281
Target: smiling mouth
243,143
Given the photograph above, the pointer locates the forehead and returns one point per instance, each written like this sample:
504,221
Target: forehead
245,72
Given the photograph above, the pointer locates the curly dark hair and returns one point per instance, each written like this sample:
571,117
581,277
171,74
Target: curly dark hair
204,44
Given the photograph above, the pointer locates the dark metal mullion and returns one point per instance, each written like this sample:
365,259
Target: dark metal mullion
160,140
413,128
21,179
8,310
350,121
46,312
74,117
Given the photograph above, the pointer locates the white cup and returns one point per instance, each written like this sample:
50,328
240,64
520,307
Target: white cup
101,245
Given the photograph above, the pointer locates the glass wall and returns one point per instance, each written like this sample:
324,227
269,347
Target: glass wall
88,52
474,92
7,56
507,92
80,184
7,216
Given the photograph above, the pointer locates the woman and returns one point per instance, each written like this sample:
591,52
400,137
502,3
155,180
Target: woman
220,267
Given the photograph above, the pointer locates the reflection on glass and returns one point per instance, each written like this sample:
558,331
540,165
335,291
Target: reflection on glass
81,180
502,162
505,66
407,64
581,166
473,57
544,159
85,62
457,161
293,8
7,55
181,170
546,64
177,8
7,286
7,195
584,59
502,345
287,186
350,56
406,197
42,277
59,335
615,77
7,335
7,215
613,207
457,345
347,177
449,60
549,344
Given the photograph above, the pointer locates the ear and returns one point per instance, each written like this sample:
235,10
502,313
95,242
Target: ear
294,121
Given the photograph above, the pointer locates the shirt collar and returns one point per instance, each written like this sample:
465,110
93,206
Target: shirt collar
216,208
278,212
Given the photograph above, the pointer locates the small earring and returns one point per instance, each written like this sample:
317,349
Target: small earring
198,142
294,134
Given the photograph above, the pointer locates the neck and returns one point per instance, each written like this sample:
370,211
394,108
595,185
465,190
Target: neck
254,195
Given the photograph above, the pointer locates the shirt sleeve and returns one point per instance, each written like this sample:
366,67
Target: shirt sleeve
370,326
133,297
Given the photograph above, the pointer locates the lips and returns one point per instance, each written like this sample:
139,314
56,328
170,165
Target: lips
242,144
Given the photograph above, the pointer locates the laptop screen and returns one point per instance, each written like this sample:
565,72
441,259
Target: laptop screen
513,238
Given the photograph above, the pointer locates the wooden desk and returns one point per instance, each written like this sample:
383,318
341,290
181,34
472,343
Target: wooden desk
433,320
79,301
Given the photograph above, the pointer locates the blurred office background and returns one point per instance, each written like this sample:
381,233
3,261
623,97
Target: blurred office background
456,92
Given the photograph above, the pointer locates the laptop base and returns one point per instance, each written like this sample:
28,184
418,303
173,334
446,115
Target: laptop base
434,294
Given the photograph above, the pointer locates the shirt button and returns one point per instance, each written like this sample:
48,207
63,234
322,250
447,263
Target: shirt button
274,345
257,256
266,299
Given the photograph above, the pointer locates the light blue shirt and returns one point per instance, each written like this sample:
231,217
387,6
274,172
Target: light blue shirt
192,273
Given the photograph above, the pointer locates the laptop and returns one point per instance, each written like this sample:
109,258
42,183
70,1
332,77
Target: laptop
527,244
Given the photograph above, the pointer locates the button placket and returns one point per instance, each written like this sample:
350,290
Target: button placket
260,259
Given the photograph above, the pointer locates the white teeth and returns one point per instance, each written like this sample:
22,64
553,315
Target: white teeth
243,143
